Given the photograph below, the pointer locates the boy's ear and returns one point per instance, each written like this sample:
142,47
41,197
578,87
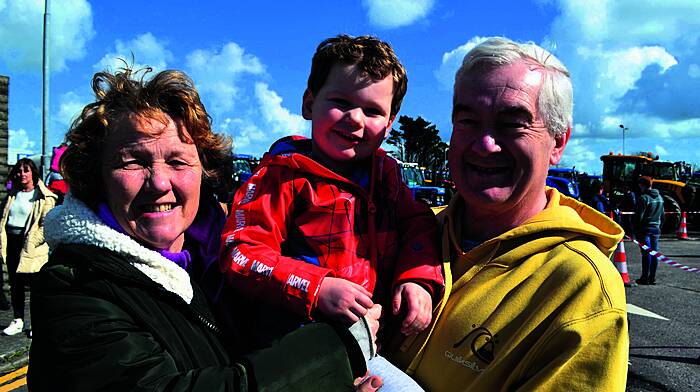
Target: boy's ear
388,126
306,104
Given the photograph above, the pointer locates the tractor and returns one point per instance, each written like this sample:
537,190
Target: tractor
622,172
565,180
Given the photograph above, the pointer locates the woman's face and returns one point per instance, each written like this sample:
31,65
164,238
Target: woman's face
152,180
25,178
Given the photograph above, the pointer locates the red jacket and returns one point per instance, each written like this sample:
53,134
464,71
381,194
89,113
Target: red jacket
295,222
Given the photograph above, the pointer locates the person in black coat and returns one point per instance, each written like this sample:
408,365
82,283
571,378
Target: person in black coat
119,306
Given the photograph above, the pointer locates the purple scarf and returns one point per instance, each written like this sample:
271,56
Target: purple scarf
183,259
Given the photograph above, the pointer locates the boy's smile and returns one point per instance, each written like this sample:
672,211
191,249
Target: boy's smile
350,116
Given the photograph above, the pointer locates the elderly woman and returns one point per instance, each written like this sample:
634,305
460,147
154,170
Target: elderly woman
22,234
117,306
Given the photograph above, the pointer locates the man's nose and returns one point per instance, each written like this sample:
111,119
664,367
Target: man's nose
486,143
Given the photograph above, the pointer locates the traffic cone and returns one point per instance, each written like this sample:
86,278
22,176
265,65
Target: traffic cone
682,232
620,261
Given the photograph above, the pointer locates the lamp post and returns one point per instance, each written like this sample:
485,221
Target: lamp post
45,93
624,128
445,163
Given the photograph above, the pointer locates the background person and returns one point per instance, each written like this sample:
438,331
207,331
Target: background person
22,233
648,215
118,307
535,303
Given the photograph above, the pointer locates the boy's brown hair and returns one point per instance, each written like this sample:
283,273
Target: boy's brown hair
373,57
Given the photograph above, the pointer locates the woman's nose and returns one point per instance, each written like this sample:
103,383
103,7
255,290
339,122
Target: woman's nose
159,178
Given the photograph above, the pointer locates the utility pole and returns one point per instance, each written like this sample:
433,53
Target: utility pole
45,96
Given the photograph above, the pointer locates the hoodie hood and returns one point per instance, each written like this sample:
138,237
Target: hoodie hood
295,152
562,220
653,193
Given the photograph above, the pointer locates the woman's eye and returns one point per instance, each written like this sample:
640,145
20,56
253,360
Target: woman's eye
131,165
177,163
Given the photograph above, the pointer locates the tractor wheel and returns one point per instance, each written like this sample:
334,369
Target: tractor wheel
672,215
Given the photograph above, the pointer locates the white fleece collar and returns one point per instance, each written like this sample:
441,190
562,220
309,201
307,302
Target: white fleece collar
73,222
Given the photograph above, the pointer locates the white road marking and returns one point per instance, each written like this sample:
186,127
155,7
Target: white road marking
634,309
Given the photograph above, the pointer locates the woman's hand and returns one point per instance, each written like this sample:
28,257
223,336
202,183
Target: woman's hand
342,300
369,383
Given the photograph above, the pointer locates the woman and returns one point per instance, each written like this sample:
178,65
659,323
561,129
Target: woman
22,233
118,306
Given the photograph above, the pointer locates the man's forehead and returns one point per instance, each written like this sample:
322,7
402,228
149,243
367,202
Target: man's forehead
519,81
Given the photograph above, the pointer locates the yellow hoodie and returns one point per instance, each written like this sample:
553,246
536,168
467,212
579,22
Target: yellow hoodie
538,308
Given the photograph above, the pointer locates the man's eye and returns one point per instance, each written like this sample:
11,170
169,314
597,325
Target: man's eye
465,121
512,125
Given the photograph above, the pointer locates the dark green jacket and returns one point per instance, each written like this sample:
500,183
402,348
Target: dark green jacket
110,315
649,212
100,324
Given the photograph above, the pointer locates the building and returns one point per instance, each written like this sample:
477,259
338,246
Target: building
4,118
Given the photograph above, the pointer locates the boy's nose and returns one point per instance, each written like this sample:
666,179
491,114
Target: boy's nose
355,117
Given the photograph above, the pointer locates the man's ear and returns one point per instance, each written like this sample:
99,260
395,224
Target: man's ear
559,145
388,126
306,104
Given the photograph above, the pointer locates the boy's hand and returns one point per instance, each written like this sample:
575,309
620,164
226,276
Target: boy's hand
419,307
342,300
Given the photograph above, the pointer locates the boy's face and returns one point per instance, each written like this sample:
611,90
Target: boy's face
350,116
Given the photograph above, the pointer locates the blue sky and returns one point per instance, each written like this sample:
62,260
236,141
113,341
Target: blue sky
633,62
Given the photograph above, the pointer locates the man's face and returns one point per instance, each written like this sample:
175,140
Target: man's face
500,150
349,116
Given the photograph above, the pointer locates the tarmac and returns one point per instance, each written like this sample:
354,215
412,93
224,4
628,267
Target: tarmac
14,350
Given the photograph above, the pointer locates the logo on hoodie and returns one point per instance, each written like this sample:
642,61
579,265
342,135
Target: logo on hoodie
482,344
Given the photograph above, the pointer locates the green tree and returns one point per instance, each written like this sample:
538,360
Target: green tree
418,141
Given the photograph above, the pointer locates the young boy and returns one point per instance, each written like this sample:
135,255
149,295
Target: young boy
326,228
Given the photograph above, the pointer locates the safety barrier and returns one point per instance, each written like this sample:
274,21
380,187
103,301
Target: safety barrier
662,258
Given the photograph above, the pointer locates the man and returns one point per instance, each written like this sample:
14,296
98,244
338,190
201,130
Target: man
535,303
647,226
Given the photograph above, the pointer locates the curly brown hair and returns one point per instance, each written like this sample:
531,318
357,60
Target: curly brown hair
123,93
373,57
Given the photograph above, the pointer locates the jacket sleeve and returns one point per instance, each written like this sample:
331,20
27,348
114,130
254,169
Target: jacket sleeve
588,355
252,241
419,255
86,343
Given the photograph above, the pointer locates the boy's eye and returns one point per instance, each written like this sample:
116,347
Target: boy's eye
340,102
373,112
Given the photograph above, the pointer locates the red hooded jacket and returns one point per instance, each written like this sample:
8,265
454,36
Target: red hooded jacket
295,222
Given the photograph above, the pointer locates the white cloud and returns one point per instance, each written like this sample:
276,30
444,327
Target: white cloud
247,137
218,74
580,153
396,13
21,27
146,50
452,60
19,143
279,118
633,63
70,107
660,150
